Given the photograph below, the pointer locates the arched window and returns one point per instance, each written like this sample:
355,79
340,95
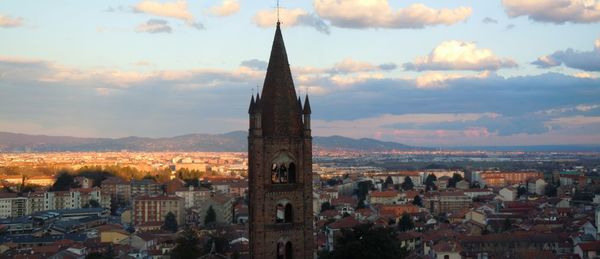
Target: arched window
280,250
288,250
283,169
288,213
279,213
292,173
285,250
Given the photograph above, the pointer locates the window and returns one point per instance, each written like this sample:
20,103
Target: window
284,251
283,169
283,213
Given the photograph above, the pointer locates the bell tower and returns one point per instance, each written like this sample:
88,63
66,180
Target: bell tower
280,165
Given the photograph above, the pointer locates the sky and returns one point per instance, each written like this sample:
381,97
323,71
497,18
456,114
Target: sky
427,72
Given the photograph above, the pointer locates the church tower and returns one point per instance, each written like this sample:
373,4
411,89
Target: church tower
280,165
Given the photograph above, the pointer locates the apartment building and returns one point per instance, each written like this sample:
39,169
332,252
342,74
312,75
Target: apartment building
154,208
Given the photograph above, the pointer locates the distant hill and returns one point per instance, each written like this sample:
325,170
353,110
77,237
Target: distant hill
233,142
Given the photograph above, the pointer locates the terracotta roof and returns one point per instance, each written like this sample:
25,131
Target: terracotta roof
347,222
384,194
591,246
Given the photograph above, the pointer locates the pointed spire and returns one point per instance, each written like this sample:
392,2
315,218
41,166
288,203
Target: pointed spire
251,108
279,102
299,103
306,106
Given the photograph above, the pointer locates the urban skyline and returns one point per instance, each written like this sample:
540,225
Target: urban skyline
426,73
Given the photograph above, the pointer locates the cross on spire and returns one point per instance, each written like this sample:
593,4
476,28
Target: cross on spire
277,11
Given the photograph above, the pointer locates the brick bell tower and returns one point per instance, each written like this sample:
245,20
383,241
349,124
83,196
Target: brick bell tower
280,165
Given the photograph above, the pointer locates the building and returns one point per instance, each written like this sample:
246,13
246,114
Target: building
194,196
222,204
12,206
145,187
118,189
386,197
501,179
447,202
280,165
154,209
508,193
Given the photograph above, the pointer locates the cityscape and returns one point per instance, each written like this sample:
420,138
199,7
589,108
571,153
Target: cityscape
176,129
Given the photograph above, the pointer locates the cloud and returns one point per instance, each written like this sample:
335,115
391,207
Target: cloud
441,80
349,65
290,17
582,60
154,26
379,14
459,55
255,64
10,22
489,20
555,11
227,8
584,75
177,10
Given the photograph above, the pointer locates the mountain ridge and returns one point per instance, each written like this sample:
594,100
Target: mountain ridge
235,141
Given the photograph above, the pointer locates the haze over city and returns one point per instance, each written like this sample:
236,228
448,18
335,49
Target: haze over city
426,73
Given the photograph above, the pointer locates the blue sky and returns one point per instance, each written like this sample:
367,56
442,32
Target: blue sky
432,73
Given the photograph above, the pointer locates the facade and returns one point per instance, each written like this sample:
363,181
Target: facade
501,179
12,206
154,209
118,189
280,165
194,197
222,204
145,187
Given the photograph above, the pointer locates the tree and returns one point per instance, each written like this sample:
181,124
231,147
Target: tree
186,246
363,189
430,182
220,245
407,184
64,182
405,223
454,180
417,201
388,182
550,190
170,222
326,206
366,241
211,216
94,203
521,191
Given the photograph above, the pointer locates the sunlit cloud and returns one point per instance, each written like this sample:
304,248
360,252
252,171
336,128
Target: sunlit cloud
555,11
379,14
227,8
290,18
459,55
10,22
582,60
177,10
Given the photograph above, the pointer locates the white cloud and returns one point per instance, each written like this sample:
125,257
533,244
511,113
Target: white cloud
582,60
379,14
441,80
154,26
10,22
459,55
227,8
555,11
178,10
350,65
290,18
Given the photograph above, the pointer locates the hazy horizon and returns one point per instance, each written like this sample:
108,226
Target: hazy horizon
421,73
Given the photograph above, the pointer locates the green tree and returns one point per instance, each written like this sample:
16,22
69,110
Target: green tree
521,191
211,216
64,182
417,201
220,245
407,184
454,180
430,182
406,223
388,182
186,246
170,222
366,241
363,189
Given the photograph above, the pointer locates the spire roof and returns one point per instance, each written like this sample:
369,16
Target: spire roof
306,106
280,111
251,108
